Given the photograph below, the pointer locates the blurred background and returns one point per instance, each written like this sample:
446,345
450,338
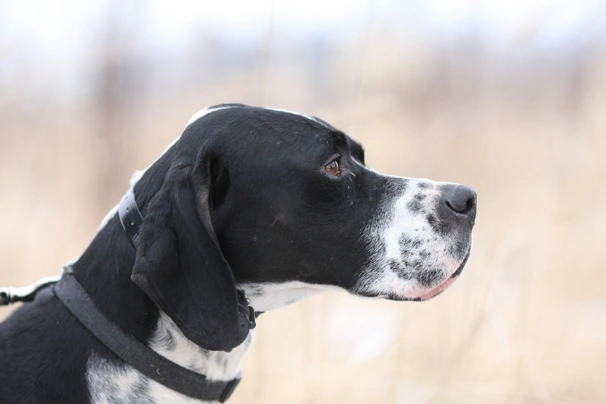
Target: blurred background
506,96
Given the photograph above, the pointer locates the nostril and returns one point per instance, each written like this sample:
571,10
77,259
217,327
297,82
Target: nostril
469,204
461,199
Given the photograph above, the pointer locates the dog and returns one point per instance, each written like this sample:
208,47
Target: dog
249,208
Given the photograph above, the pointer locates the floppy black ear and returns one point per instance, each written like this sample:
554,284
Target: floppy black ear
179,264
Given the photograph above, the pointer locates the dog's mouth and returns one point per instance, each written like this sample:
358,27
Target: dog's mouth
437,289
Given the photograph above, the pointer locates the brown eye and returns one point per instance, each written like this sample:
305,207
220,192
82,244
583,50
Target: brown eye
333,168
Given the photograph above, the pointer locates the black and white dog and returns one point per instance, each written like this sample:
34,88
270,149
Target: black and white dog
276,204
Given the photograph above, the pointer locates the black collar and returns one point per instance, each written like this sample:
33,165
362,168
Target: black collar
130,216
133,352
125,346
148,361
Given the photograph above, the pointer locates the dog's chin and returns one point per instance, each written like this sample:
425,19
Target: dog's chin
436,290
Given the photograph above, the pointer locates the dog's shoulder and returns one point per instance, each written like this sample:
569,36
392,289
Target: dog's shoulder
43,350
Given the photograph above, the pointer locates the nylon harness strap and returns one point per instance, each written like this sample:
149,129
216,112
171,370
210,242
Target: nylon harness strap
133,352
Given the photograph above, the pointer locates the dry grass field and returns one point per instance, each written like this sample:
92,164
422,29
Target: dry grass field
525,323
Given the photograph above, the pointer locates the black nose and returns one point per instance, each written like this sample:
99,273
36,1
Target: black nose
458,201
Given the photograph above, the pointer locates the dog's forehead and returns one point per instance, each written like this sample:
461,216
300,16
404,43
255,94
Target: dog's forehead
265,130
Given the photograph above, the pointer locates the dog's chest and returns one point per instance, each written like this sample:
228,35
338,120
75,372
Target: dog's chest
111,383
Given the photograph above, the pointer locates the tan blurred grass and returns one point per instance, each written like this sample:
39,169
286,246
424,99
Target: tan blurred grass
524,324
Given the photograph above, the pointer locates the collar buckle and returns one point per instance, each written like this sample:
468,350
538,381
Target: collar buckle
230,388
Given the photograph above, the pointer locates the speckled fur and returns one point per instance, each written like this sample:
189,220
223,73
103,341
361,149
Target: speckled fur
113,383
411,251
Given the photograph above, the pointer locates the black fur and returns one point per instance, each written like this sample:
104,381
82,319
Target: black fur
242,196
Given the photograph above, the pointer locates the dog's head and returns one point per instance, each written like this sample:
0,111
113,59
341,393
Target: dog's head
282,204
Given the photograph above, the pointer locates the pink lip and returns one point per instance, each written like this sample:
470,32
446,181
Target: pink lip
438,289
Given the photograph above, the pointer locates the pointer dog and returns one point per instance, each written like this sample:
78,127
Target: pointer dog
276,204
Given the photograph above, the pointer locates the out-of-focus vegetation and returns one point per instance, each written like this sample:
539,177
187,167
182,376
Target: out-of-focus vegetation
523,123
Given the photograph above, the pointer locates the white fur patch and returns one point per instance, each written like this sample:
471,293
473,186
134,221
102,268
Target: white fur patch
269,296
404,247
311,118
169,342
114,384
204,112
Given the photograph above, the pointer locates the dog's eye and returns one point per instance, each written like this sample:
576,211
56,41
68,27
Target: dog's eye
333,168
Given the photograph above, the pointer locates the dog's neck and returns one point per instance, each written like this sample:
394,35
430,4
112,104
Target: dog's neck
104,270
112,255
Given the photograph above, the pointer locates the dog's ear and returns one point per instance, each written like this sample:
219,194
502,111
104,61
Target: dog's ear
179,264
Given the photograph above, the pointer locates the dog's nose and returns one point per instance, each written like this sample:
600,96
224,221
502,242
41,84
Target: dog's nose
458,201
